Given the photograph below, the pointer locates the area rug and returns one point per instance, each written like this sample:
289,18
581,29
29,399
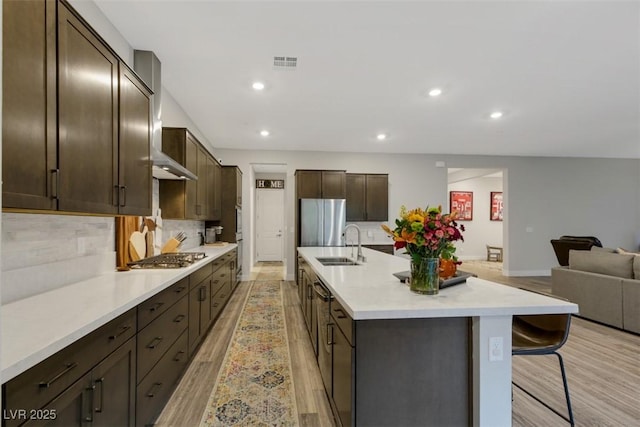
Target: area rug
255,384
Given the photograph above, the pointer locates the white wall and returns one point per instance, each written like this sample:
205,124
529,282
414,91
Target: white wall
481,230
550,196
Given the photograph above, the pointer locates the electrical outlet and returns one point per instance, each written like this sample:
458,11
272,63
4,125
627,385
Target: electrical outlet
496,349
369,233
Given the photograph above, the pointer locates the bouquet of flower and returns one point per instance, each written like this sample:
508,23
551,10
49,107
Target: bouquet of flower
426,233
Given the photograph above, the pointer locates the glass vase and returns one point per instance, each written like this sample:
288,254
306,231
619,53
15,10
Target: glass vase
425,278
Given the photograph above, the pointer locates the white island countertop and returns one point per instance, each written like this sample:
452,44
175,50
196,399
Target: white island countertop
370,291
35,328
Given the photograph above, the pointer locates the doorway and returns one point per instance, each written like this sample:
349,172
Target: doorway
269,224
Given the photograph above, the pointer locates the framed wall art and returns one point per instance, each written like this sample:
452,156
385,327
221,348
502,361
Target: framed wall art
496,206
461,202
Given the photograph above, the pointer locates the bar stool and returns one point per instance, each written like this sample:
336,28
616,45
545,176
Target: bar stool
542,334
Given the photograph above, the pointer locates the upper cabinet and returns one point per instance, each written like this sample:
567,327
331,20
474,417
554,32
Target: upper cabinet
367,197
29,141
95,157
186,199
321,184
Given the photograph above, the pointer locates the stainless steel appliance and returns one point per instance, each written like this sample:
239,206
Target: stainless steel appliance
239,249
322,306
322,222
211,233
169,260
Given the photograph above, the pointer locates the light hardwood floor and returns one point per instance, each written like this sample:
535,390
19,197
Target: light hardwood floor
603,369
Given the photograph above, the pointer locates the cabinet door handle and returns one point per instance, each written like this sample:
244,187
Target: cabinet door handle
67,368
154,388
179,318
203,293
178,356
100,382
156,306
154,343
121,331
123,195
55,175
342,315
89,417
330,334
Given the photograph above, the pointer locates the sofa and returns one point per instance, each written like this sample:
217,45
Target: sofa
605,283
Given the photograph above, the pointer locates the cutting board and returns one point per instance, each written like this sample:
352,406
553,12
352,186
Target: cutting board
125,227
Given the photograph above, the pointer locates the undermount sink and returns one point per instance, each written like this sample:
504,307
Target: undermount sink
329,261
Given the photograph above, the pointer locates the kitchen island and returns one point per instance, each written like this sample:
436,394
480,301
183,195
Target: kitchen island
419,359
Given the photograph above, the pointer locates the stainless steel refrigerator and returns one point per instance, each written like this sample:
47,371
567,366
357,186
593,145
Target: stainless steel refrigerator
322,222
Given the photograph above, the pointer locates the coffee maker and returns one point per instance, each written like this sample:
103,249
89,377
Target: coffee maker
211,234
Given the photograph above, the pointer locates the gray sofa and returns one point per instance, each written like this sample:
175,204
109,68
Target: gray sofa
604,283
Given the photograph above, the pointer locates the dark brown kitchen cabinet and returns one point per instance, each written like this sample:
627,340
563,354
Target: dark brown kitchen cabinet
187,199
214,190
103,397
231,198
29,140
199,312
102,362
84,147
367,197
134,177
87,177
320,184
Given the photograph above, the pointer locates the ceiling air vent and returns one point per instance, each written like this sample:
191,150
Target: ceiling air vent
285,62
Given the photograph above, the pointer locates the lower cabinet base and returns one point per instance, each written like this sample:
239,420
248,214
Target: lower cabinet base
156,388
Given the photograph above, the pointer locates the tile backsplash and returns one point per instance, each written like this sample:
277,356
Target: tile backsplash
42,251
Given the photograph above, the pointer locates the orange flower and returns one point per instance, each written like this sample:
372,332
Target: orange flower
406,236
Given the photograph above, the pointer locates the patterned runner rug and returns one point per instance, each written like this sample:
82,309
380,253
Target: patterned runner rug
255,384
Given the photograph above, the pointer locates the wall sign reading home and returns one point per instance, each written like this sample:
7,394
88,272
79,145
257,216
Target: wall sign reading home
461,202
270,183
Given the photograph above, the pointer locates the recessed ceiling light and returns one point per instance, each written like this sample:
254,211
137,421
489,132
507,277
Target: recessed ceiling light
496,114
166,168
435,92
264,132
381,136
258,85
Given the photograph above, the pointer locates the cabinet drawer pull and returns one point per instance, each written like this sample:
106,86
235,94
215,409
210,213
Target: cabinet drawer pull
156,306
215,282
154,343
121,331
67,368
342,315
153,390
180,289
178,356
179,318
100,382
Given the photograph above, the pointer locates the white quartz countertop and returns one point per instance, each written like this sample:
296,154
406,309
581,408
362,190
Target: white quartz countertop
370,291
34,328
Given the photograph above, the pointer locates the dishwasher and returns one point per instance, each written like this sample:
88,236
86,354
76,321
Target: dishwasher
322,304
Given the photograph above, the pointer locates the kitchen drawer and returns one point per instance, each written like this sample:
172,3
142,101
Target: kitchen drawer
217,263
159,335
154,391
37,386
220,278
158,304
198,276
342,319
220,299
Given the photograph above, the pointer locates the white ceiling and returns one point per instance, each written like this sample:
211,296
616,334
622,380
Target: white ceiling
565,73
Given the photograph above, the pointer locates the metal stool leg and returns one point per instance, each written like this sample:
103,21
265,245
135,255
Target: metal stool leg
566,387
566,393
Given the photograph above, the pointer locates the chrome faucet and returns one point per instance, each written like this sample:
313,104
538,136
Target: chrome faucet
344,233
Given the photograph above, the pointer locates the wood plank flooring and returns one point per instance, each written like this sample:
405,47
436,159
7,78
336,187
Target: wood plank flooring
603,369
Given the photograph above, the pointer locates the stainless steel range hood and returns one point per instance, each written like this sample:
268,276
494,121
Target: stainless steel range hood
147,65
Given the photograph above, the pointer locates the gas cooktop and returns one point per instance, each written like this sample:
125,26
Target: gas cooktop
168,260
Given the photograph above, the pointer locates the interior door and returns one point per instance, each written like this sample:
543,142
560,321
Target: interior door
269,224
